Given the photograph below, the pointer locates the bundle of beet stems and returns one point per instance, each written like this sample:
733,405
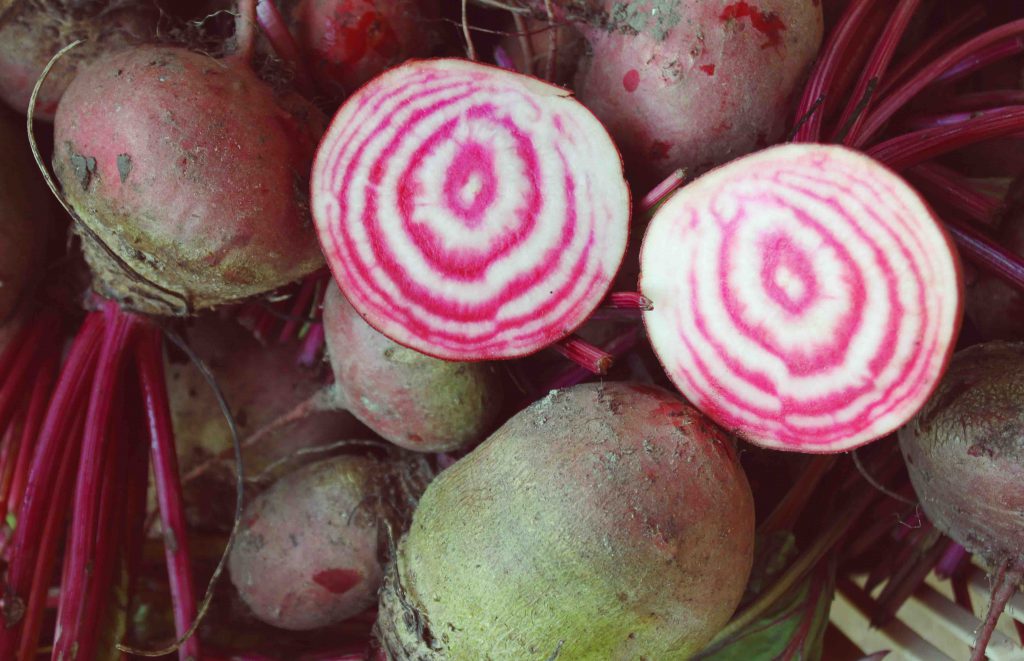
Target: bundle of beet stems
480,227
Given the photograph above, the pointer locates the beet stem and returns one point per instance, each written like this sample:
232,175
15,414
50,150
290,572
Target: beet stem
982,58
786,513
44,478
245,30
627,300
305,296
470,48
85,522
616,347
948,187
986,253
149,358
662,190
827,68
1007,578
15,382
891,104
881,57
312,345
584,354
276,32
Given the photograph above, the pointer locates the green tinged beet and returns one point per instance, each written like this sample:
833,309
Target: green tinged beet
603,522
965,452
193,171
309,551
24,214
414,401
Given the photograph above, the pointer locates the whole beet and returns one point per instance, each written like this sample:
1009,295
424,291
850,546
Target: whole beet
692,83
415,401
308,554
965,452
24,214
193,172
31,31
603,522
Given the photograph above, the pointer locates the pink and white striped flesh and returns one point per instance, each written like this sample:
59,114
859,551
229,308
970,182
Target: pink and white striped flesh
468,212
805,297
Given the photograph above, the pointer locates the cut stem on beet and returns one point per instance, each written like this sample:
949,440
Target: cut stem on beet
804,297
468,212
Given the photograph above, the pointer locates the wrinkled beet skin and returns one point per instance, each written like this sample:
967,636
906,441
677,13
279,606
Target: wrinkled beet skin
415,401
348,42
33,32
692,84
306,555
965,451
193,171
612,521
24,214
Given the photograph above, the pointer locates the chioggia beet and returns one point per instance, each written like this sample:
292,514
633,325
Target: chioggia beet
604,522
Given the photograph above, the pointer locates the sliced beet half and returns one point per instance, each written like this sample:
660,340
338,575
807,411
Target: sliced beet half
469,212
804,297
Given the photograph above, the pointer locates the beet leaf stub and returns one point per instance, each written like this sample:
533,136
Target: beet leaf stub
469,212
804,297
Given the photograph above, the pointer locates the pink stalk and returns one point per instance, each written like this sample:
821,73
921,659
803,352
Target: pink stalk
627,300
312,345
912,148
110,522
951,561
245,30
853,115
1007,578
982,58
987,254
10,448
950,188
55,441
584,354
985,100
839,45
892,103
25,362
149,357
300,308
617,347
931,45
276,32
662,190
41,566
78,586
502,59
930,121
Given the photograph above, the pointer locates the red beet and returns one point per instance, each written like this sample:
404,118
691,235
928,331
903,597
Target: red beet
804,297
193,172
33,30
468,212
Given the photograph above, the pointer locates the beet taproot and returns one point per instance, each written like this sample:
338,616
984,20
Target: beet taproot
603,522
410,399
193,172
309,551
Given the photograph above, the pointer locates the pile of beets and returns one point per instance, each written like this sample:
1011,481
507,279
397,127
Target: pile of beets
504,329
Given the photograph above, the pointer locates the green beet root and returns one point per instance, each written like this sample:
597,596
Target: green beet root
603,522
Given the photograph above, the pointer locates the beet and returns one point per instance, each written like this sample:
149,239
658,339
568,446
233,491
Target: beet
603,522
309,552
412,400
193,172
33,30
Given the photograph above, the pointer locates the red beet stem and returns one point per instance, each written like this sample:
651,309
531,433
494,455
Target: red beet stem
85,520
855,112
826,69
930,46
41,567
892,103
15,384
951,561
982,58
584,354
627,300
986,253
312,346
662,190
276,32
617,347
42,388
931,121
44,478
149,357
1008,577
950,188
245,30
912,148
299,313
985,100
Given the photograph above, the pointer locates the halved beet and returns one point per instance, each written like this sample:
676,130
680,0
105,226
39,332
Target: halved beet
804,297
469,212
